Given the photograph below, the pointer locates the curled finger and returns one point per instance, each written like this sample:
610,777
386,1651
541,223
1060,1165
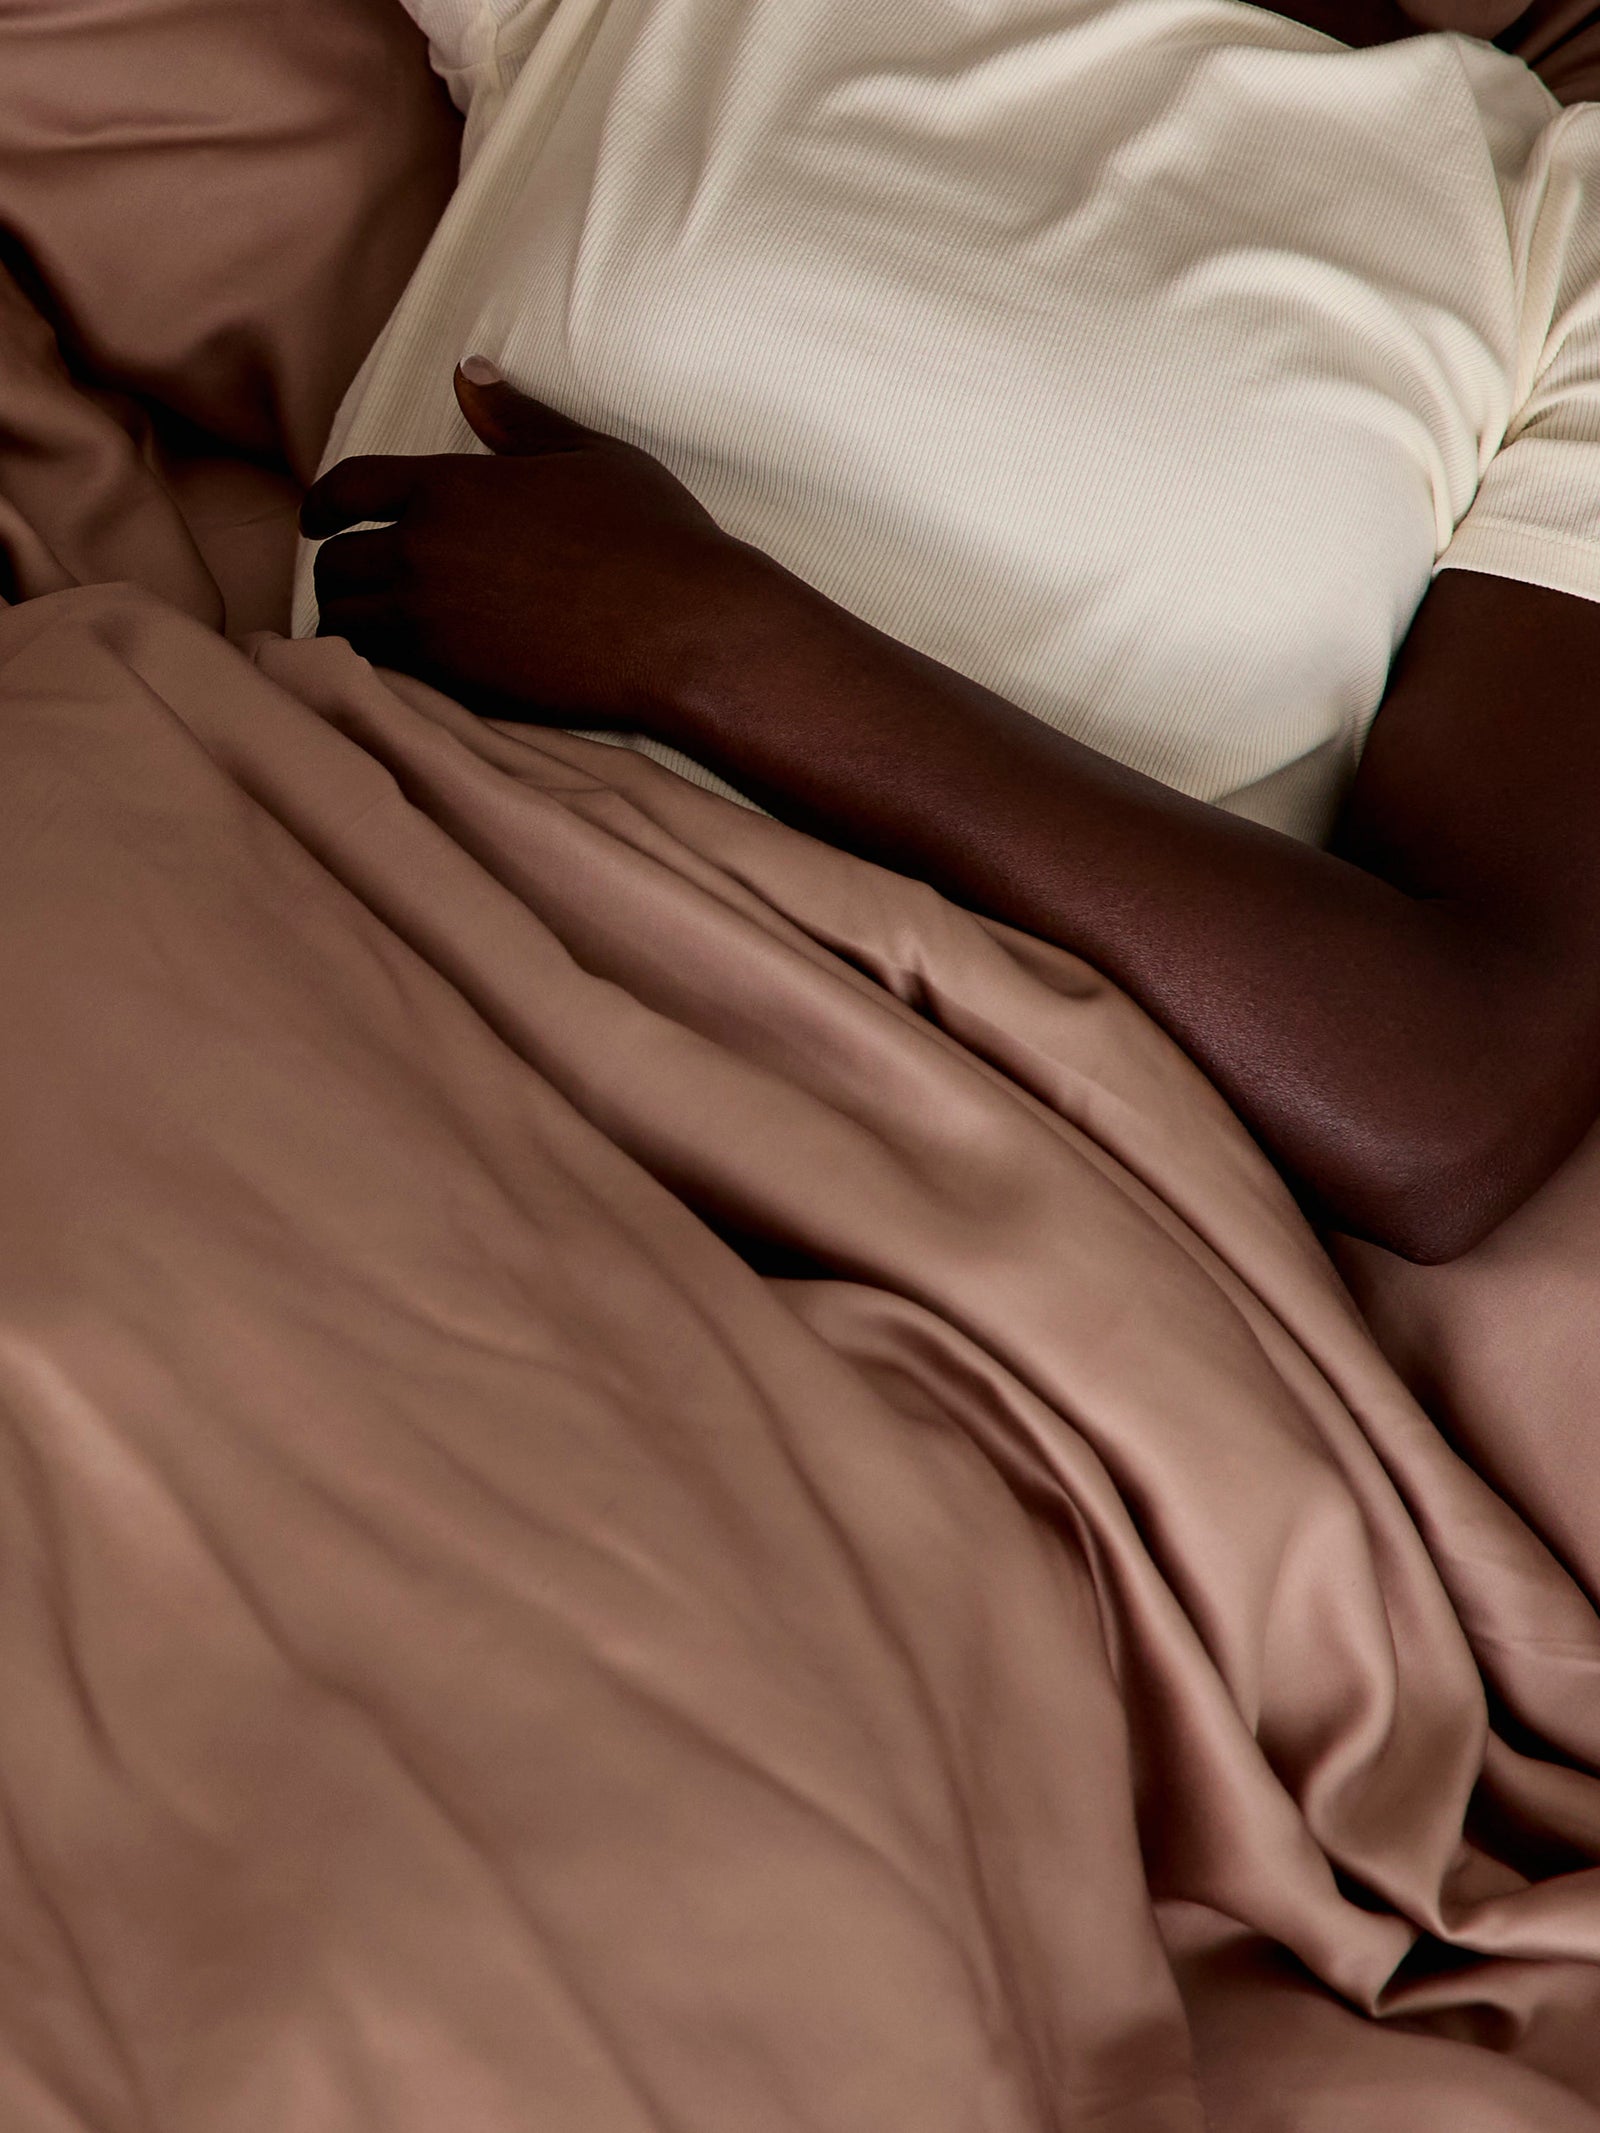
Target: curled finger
353,563
374,485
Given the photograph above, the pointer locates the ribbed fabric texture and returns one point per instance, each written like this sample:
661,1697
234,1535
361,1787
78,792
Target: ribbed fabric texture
1142,361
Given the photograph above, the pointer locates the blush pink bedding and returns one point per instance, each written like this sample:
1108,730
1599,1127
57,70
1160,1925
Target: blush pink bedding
651,1480
212,205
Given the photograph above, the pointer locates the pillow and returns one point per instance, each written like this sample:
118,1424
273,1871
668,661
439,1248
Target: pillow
81,498
220,200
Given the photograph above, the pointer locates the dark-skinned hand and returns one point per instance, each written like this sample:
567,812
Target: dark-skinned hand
567,577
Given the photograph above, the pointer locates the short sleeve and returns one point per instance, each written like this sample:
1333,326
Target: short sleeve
1536,513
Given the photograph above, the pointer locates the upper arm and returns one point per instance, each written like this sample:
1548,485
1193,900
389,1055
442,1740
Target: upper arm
1480,780
1479,791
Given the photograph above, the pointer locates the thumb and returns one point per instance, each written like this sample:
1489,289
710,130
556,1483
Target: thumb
510,421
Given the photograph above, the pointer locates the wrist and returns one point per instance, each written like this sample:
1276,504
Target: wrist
751,621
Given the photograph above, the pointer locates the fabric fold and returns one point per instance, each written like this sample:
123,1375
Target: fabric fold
487,1649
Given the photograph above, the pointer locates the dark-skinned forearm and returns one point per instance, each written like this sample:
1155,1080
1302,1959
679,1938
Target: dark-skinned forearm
1412,1027
1357,1029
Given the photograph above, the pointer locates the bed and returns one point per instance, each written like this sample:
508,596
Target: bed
652,1479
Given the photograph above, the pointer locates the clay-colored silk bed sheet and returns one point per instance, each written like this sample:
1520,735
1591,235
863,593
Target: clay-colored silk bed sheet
653,1481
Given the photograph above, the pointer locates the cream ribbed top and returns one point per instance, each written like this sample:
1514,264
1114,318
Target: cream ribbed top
1141,360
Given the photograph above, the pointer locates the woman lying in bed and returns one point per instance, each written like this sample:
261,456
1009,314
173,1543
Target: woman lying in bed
1017,443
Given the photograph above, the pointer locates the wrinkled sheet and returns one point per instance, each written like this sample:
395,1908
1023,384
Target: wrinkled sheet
95,486
653,1480
207,210
216,202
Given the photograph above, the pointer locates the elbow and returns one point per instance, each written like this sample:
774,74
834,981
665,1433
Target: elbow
1478,1099
1444,1220
1438,1192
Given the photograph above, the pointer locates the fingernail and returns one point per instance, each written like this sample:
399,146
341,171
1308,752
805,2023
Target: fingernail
478,370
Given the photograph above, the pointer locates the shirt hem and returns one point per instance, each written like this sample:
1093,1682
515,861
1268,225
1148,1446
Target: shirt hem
1503,549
